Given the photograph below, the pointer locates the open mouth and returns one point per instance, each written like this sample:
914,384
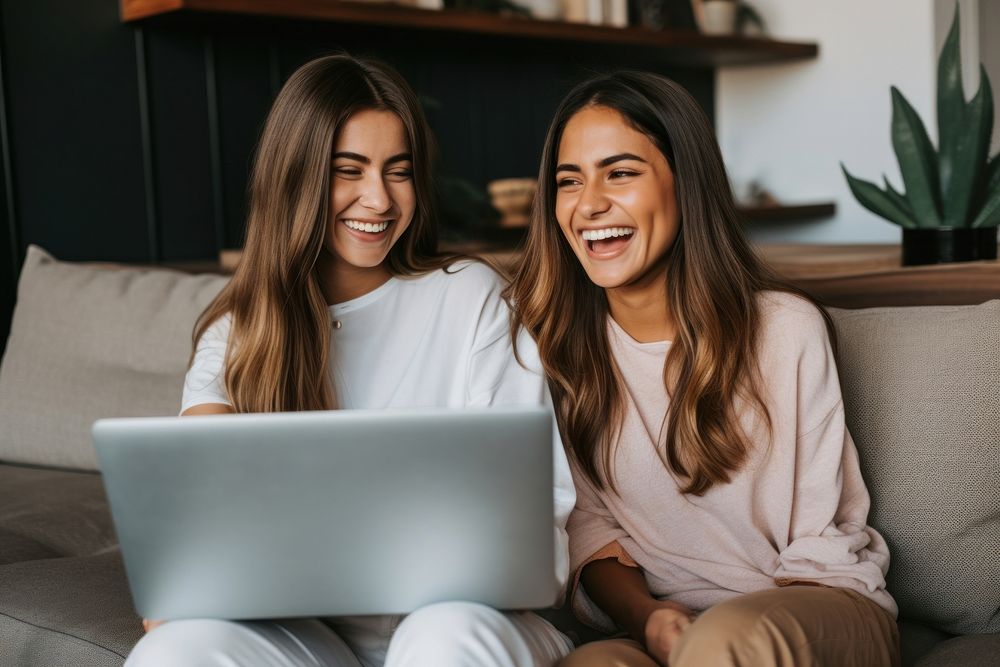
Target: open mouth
608,241
367,230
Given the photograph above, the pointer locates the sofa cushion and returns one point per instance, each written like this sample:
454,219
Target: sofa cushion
916,641
922,396
968,651
88,342
67,611
52,513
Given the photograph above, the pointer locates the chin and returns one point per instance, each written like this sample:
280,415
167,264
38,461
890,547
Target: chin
364,262
359,259
606,279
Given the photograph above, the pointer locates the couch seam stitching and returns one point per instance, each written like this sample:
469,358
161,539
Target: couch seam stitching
67,634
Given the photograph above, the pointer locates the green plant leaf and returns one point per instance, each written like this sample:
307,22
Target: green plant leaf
917,162
898,198
989,214
950,110
970,154
993,173
877,201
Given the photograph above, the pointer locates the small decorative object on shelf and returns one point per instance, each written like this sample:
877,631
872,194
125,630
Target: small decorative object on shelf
616,13
546,10
728,17
583,11
495,6
512,197
950,207
718,17
662,14
422,4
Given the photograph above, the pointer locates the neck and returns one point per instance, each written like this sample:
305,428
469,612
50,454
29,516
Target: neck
641,308
342,282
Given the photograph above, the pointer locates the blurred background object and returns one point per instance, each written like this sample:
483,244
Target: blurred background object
513,198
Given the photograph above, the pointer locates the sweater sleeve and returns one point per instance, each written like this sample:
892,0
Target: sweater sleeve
205,379
497,377
829,540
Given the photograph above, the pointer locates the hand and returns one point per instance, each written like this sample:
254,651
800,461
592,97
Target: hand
664,626
148,625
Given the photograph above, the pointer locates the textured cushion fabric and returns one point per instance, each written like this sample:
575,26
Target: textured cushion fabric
916,641
88,342
968,651
52,513
922,395
66,611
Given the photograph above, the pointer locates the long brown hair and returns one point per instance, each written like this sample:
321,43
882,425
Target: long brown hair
279,340
713,278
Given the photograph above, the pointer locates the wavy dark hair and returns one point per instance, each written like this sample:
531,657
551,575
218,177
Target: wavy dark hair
713,278
279,341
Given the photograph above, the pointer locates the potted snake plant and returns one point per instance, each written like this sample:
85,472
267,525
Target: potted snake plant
950,207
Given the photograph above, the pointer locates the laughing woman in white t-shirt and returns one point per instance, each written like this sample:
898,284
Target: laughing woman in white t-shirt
342,301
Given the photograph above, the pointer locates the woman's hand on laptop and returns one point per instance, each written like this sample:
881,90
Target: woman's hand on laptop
149,625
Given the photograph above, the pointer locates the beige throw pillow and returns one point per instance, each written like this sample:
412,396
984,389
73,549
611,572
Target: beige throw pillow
91,341
922,395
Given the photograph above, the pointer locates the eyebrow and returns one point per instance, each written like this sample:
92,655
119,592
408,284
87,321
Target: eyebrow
358,157
602,163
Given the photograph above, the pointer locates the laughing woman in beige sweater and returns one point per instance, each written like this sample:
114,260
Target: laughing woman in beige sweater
721,515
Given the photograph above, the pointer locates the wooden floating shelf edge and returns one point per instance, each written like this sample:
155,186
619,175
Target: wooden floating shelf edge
700,48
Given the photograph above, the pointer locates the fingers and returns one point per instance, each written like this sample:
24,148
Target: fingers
149,625
664,630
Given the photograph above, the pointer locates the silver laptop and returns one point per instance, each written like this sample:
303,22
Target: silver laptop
332,513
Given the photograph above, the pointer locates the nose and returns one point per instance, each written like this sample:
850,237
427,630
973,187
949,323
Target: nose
593,203
375,196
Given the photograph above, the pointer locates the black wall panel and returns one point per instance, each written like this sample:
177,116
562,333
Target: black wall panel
134,144
10,255
181,155
73,109
244,87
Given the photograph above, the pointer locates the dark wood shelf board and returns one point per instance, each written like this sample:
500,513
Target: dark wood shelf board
788,213
682,47
870,275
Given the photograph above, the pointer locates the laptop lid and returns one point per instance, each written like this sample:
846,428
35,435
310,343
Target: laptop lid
332,513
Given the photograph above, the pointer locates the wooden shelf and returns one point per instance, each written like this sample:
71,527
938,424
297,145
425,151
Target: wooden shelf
680,47
866,276
788,213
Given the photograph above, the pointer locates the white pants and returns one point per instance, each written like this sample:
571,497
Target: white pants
449,634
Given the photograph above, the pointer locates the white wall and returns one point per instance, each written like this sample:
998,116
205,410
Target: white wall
791,125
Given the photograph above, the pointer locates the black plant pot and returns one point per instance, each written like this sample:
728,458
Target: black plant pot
948,244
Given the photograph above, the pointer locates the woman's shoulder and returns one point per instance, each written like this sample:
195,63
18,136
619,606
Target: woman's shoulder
790,321
217,332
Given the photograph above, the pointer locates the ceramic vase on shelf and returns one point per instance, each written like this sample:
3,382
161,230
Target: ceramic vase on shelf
512,197
718,17
547,10
616,13
423,4
583,11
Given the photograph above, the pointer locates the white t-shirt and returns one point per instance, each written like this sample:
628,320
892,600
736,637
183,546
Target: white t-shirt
436,340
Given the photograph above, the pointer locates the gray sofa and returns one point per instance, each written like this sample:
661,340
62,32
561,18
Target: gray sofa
921,385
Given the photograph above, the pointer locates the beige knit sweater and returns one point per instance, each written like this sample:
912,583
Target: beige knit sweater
797,510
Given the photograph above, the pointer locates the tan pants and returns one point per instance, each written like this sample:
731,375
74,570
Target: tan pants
794,626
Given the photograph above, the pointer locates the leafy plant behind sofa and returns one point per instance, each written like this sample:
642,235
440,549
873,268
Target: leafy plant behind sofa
957,186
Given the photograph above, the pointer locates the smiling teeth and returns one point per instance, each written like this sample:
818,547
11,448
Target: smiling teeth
610,232
370,227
